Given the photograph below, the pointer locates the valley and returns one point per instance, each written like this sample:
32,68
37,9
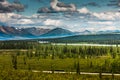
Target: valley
75,61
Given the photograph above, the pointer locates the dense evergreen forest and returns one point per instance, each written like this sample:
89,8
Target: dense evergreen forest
17,44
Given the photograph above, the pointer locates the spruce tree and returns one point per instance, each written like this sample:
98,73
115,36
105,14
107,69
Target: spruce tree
78,68
14,61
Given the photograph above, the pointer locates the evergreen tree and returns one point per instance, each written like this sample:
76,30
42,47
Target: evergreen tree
78,68
24,59
100,73
14,61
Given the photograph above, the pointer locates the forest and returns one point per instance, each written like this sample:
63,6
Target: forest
20,59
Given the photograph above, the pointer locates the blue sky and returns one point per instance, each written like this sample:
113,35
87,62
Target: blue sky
93,15
98,5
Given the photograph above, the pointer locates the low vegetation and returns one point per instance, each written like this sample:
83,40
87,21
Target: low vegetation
18,63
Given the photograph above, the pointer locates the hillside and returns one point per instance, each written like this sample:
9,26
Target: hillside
58,32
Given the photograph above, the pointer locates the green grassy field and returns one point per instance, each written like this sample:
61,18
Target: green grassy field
28,75
67,64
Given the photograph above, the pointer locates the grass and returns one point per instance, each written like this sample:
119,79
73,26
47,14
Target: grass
67,64
44,61
28,75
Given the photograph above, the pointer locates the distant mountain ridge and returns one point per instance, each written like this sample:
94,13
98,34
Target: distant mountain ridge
23,32
108,32
85,32
58,32
35,31
32,32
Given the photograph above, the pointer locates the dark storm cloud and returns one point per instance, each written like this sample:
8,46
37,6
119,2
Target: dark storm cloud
115,3
6,7
56,6
91,4
61,4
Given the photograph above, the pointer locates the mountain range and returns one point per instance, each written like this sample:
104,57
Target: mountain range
6,31
23,32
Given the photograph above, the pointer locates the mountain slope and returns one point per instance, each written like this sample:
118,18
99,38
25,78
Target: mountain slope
84,32
23,32
95,38
35,31
11,31
58,32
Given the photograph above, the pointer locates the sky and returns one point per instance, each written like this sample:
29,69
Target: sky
74,15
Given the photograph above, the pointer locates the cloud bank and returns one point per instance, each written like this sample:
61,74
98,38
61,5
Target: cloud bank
90,20
56,6
6,7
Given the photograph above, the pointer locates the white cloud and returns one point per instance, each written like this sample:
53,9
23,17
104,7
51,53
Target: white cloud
83,10
107,15
107,28
5,17
38,16
102,23
5,3
104,16
25,21
52,22
82,17
62,7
